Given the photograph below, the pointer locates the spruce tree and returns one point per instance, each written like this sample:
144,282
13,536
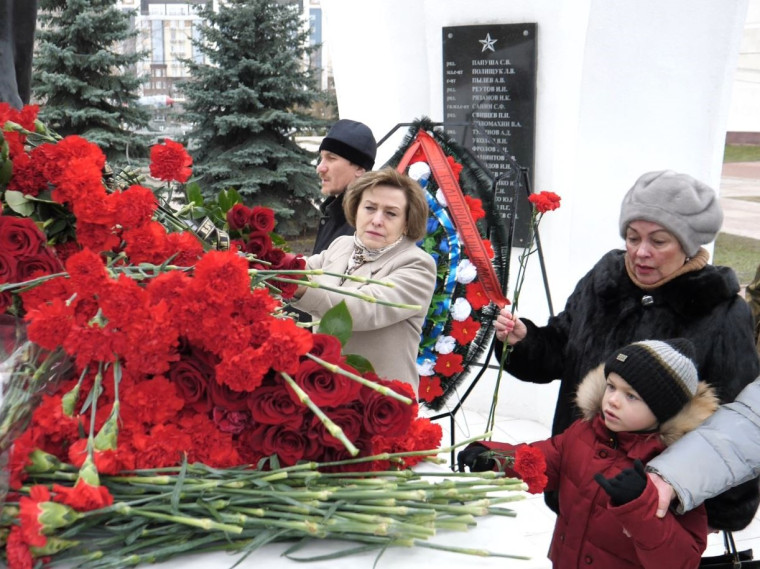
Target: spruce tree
85,80
247,103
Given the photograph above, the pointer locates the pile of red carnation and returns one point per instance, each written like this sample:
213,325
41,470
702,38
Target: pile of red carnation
188,360
193,364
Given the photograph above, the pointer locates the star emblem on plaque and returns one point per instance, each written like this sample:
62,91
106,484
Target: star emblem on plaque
488,43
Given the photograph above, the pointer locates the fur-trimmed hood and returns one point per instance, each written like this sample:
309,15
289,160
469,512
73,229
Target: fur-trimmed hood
703,404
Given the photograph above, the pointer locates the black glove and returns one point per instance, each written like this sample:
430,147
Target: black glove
474,457
626,486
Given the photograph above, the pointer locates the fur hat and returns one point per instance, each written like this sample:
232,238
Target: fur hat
662,372
353,141
684,206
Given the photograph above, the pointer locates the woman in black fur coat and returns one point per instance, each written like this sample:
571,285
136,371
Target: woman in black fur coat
659,287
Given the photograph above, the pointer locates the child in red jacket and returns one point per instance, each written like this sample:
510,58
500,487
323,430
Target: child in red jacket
643,398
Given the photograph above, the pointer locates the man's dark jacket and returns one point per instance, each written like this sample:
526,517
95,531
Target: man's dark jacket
332,224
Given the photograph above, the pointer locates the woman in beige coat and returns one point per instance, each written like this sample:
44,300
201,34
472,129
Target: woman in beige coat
389,212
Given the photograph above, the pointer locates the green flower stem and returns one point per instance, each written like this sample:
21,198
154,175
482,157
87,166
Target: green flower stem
319,272
507,349
239,510
26,285
468,551
202,523
329,424
348,292
367,383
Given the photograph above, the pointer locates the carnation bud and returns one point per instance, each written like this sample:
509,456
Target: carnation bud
52,546
41,462
13,127
89,472
40,128
106,438
54,516
69,401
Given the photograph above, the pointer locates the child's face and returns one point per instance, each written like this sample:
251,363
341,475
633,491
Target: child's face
623,409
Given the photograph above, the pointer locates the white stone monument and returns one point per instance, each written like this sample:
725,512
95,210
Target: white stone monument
623,87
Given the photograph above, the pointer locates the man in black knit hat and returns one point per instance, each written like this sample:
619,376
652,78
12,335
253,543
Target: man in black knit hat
347,152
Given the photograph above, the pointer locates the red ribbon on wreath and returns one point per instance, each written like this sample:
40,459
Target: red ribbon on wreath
460,212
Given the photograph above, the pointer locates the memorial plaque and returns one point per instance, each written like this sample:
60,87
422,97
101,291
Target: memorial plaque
489,106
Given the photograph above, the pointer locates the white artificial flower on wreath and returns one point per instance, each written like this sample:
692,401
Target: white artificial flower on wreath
466,272
426,367
445,344
441,198
419,171
461,309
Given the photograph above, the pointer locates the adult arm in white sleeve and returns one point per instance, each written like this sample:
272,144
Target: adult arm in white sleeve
721,453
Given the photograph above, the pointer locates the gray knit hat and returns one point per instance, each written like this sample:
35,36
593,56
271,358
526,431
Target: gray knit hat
684,206
662,372
353,141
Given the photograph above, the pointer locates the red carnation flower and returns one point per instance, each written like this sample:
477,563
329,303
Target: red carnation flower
17,550
87,272
136,206
29,514
185,248
545,201
27,178
83,497
286,344
170,161
530,464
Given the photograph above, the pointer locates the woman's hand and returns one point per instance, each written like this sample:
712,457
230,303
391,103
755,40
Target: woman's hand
509,327
299,292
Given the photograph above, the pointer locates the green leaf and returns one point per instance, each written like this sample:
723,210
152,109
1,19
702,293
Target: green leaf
17,201
227,198
359,363
338,322
194,194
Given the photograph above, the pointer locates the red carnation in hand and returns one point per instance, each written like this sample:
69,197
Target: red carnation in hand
545,201
170,161
530,464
